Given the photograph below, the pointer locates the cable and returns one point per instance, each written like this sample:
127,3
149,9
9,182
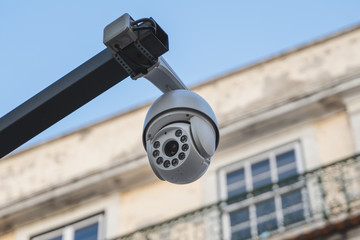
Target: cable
144,28
143,20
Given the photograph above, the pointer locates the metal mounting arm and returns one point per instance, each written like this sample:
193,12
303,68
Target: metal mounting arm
136,45
164,77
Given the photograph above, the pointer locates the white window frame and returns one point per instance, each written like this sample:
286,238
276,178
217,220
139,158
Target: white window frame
67,231
276,195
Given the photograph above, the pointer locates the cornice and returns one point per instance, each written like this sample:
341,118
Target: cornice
308,106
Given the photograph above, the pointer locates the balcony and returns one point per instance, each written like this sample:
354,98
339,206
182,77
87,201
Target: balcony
329,201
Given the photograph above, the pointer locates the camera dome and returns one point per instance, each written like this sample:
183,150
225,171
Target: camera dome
180,136
177,106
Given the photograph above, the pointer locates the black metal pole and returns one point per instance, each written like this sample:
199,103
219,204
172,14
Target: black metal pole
58,100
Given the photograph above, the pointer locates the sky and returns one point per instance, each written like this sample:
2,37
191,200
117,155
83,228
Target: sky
41,41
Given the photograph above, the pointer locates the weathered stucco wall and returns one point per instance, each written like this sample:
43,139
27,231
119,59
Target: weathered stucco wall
69,157
9,236
157,202
334,138
292,74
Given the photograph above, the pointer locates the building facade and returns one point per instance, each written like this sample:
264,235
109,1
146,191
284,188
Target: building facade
286,167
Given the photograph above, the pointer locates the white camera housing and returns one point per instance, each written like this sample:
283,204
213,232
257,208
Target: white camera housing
180,136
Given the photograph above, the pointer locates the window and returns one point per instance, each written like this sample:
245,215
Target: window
264,193
88,229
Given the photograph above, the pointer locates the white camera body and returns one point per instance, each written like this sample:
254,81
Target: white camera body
180,136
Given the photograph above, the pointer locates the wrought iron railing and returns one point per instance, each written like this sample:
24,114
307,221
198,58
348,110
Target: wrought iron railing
332,191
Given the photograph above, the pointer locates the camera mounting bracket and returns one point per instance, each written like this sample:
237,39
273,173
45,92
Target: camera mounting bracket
125,35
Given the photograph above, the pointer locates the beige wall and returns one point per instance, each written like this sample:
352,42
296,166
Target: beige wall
334,138
69,157
9,236
157,202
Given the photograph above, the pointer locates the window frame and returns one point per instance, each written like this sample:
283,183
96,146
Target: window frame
251,202
67,231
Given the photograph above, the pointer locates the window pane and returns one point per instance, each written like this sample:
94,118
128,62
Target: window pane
260,167
236,176
87,233
242,234
288,177
262,183
288,174
285,158
265,208
239,216
294,217
267,225
237,192
291,198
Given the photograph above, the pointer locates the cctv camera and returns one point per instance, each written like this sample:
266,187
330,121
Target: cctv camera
180,132
180,136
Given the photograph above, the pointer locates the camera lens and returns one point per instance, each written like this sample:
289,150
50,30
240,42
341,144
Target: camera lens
182,156
178,133
174,162
183,139
185,147
159,160
167,163
171,148
156,144
156,153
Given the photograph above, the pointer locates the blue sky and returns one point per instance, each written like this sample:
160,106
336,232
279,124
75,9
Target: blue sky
41,41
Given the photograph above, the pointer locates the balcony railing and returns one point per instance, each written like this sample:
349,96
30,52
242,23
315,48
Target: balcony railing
331,193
